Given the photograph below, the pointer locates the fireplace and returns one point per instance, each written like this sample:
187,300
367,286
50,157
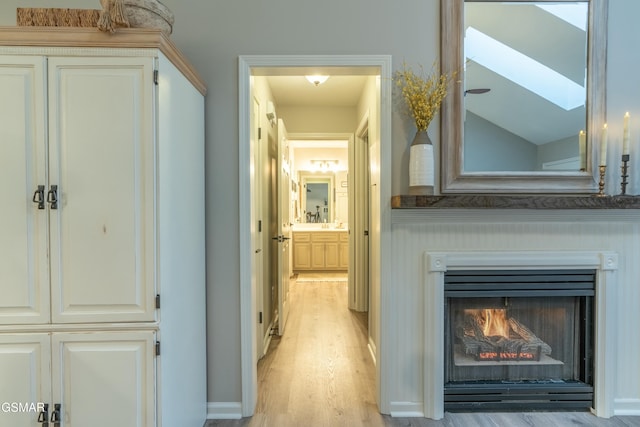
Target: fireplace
519,340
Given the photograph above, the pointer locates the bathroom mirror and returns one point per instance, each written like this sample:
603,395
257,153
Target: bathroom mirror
317,198
531,77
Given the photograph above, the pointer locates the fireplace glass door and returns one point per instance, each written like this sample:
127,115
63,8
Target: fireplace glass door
510,330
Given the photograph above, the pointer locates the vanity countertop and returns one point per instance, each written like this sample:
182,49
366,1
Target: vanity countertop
312,229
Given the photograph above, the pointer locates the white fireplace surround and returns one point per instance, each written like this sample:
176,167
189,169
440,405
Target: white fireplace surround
438,263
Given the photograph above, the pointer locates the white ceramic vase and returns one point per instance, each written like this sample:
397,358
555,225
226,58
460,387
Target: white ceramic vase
421,165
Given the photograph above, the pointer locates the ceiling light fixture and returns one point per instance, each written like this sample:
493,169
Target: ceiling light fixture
316,80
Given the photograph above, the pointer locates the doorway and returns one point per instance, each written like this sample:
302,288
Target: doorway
379,152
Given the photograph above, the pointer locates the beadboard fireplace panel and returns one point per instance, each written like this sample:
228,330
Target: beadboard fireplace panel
425,244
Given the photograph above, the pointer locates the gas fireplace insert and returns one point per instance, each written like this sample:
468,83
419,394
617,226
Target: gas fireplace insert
519,340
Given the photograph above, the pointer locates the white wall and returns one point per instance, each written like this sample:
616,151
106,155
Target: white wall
212,34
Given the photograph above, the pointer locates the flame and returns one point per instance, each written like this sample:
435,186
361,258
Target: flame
495,322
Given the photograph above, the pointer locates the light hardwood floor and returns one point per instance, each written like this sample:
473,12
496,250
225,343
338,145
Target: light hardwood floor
320,374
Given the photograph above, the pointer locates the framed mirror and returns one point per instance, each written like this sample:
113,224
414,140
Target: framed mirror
531,79
317,198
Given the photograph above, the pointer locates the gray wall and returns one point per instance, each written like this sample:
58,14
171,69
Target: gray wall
213,33
491,148
558,150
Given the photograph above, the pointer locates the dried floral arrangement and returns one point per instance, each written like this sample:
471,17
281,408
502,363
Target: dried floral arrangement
422,93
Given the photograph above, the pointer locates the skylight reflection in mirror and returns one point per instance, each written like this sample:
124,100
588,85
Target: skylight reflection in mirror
526,71
532,56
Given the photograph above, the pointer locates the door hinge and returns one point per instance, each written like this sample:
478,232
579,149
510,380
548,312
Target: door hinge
158,301
260,318
157,348
259,133
155,77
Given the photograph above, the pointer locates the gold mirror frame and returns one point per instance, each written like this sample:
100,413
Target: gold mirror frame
454,180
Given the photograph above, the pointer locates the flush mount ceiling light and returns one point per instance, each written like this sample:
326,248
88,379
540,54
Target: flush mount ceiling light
316,80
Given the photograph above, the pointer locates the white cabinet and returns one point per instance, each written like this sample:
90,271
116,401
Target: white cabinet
102,231
101,379
89,168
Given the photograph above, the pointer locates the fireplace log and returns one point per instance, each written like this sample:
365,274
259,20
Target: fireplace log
521,344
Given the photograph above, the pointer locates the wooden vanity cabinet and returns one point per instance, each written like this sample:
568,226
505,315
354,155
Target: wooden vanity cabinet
320,251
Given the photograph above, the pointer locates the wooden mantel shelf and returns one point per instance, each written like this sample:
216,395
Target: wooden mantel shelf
515,202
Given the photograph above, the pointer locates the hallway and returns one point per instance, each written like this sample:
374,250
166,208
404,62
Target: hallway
320,374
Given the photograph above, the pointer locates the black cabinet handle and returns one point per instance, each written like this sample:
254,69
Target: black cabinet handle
43,416
52,197
55,415
38,197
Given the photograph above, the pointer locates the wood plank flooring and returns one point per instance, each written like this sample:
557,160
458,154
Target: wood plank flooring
320,374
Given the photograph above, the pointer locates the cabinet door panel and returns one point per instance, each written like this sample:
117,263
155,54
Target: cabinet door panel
104,379
26,378
317,256
331,256
301,255
102,159
344,255
24,283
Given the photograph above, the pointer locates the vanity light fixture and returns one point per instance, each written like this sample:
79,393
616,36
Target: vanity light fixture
316,80
324,165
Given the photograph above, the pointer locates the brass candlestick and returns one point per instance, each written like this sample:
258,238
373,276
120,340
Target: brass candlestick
603,170
625,173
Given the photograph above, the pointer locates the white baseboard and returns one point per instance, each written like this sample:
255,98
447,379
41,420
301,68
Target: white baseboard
224,410
266,340
626,407
406,410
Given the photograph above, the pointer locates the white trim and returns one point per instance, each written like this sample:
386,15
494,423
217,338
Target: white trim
246,63
437,263
406,410
266,340
224,410
627,407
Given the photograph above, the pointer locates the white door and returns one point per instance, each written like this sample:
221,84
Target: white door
101,171
24,267
257,188
284,225
103,379
26,378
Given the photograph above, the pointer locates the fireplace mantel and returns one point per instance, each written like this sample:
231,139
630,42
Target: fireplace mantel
514,202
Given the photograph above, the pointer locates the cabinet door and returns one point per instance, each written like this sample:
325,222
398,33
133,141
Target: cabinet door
331,256
24,272
26,378
101,149
344,255
104,379
301,255
317,256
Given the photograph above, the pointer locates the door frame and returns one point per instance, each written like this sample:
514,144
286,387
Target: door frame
246,65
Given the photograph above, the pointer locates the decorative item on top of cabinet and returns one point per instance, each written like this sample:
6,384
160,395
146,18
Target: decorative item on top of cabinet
83,264
135,14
